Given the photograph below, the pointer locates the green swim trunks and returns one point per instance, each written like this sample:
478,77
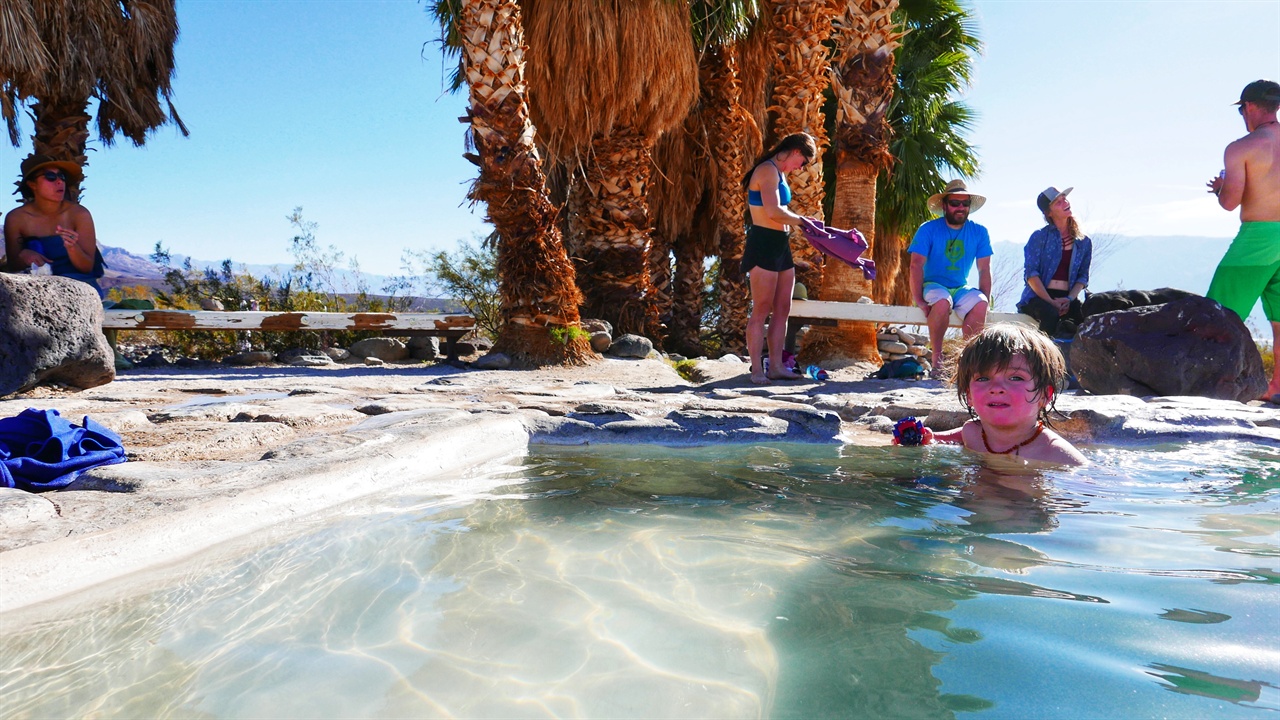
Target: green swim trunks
1250,270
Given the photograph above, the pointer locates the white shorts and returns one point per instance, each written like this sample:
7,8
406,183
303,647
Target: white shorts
961,299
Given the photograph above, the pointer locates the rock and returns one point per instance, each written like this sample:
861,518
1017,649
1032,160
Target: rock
887,346
288,356
424,347
887,337
50,331
633,346
492,361
731,358
898,356
594,325
600,341
473,345
311,361
250,357
384,349
1098,303
211,304
373,362
1192,346
337,354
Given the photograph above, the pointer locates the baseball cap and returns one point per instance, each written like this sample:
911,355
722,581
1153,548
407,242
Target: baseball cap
1260,91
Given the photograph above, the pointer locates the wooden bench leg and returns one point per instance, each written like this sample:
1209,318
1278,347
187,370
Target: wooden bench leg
451,348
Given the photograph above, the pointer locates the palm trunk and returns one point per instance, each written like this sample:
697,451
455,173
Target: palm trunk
659,261
863,78
801,75
685,335
614,246
62,131
536,279
732,129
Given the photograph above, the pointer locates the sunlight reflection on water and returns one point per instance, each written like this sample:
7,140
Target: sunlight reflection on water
719,582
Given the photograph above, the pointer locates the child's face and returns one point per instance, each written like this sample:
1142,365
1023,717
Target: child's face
1008,397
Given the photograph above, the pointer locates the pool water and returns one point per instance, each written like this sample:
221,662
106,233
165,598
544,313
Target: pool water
781,582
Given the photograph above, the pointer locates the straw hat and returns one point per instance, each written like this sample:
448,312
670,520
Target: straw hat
955,187
35,163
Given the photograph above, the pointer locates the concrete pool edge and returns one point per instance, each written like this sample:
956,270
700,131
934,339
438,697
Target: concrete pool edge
308,482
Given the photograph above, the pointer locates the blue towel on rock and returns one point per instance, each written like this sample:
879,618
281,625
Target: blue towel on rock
40,450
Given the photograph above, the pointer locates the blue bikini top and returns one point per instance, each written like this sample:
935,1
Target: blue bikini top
784,191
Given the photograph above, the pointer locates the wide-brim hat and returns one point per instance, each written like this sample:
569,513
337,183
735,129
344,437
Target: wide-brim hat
955,187
35,163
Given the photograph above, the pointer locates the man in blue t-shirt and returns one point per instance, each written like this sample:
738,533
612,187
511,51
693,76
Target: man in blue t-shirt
942,254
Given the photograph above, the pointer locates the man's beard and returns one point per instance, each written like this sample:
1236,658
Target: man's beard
953,216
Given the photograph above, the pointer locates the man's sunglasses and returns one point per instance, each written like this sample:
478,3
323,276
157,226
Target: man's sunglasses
53,175
958,203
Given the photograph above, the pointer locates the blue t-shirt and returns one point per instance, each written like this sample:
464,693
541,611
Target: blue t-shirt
949,254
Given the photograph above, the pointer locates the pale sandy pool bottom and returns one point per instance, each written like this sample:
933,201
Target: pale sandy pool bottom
723,582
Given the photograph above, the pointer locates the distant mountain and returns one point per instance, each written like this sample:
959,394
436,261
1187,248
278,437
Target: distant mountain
127,269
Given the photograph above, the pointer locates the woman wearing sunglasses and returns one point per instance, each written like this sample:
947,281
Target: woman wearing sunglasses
48,229
766,259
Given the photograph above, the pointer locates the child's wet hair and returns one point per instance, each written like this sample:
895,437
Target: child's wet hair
994,348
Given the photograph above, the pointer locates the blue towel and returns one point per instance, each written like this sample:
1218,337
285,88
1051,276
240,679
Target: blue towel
40,450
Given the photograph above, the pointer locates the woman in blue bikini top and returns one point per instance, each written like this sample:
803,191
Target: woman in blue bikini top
49,229
766,255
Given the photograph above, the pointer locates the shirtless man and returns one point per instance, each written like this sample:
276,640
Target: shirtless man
1251,267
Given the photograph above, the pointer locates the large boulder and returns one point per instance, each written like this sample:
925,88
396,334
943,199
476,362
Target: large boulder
1192,346
1111,300
51,331
380,348
631,346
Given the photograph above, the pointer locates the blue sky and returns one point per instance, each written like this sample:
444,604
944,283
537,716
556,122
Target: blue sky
340,107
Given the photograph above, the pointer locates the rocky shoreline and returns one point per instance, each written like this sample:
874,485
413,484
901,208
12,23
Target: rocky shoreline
279,442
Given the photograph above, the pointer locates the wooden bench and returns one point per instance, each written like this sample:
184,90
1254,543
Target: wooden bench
818,312
449,327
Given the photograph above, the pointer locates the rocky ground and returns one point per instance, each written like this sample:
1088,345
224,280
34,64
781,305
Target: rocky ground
212,439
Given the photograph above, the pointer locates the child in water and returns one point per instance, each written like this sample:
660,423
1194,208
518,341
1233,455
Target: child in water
1007,377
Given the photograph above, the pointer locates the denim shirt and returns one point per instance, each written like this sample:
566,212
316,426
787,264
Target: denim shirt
1044,252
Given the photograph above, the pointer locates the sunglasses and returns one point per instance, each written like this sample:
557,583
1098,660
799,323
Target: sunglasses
1240,108
958,203
53,175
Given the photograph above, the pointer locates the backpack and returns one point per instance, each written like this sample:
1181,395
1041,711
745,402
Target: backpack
906,368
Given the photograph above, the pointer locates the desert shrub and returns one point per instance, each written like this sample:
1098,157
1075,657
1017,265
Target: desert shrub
469,275
688,369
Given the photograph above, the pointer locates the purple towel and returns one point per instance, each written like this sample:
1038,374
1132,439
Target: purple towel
846,245
40,450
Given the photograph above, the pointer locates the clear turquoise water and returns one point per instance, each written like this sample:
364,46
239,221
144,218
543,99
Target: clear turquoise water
728,582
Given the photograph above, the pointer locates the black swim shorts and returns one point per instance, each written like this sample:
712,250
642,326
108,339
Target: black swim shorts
766,249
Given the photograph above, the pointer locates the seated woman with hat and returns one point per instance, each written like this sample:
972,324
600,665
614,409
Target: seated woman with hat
49,229
1056,264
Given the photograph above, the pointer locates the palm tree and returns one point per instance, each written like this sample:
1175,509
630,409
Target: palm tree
801,75
677,199
737,141
536,279
607,77
58,54
935,62
866,35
